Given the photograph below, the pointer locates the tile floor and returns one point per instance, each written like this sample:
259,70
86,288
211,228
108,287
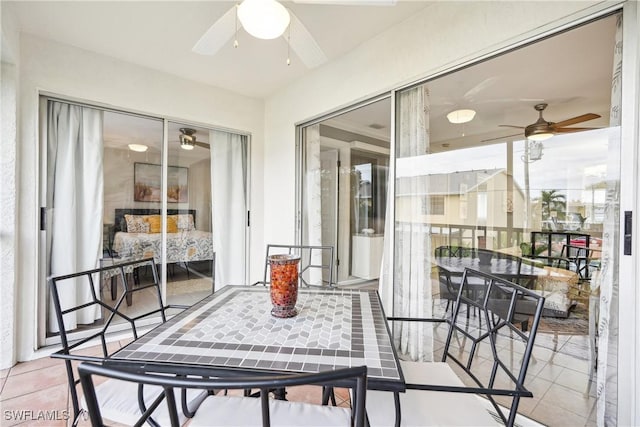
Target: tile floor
35,393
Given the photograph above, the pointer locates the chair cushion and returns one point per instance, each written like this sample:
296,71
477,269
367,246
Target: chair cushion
428,408
235,411
118,401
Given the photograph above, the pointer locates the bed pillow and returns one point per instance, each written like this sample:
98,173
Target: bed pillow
184,222
136,224
155,224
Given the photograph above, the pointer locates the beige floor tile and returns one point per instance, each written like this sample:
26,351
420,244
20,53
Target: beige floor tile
570,400
550,371
576,381
553,415
308,394
538,386
33,365
48,407
4,373
33,381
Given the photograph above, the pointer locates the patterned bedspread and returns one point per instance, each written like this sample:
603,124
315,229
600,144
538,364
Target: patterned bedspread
194,245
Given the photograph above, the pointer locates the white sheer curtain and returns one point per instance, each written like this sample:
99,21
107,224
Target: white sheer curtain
312,220
229,206
607,279
410,285
75,196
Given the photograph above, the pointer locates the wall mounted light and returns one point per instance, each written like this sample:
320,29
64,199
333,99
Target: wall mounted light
140,148
461,116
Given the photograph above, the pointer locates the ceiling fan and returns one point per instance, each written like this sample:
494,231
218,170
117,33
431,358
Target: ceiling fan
188,139
542,129
269,19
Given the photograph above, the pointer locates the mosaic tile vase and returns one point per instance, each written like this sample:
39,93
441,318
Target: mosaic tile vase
284,284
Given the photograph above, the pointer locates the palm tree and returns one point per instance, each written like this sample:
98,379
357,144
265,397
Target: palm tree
552,201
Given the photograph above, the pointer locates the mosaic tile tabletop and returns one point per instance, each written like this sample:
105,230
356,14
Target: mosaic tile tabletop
234,328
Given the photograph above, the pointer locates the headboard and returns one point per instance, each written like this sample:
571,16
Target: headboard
120,213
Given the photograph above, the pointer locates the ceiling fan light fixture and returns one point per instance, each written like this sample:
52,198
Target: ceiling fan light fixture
140,148
461,116
186,145
187,138
540,136
263,19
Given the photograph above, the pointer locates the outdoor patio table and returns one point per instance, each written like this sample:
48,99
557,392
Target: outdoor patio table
507,268
232,332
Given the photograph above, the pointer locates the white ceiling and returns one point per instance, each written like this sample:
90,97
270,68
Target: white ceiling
161,34
571,71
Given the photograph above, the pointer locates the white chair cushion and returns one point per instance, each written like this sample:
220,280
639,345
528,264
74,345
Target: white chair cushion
235,411
428,408
118,401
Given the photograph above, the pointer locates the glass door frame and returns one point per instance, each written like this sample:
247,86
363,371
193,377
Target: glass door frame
299,162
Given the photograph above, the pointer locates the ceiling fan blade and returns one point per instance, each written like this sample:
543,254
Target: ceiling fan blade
511,126
483,85
217,35
577,119
203,145
500,137
569,130
349,2
303,43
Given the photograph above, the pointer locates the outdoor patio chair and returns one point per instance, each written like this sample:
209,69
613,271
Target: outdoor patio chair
463,389
119,401
224,410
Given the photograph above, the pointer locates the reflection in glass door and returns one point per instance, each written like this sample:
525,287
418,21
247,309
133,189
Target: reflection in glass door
344,188
533,174
111,198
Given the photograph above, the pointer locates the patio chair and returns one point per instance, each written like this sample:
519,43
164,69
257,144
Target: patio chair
316,264
451,392
225,410
119,401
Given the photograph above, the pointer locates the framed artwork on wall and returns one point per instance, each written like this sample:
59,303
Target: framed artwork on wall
147,180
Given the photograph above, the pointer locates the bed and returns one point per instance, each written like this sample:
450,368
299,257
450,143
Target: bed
185,243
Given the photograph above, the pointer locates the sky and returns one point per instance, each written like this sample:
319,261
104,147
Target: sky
571,163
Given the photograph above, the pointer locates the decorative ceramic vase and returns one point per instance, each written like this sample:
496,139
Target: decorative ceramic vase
284,284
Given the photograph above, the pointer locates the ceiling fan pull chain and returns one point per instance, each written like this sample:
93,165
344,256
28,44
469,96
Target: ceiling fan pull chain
289,44
235,37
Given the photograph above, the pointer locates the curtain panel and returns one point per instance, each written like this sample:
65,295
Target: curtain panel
407,289
229,205
75,197
607,281
312,222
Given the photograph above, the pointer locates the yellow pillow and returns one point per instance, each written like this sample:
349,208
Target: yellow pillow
172,225
155,224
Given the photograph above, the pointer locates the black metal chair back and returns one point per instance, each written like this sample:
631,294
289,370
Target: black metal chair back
355,378
502,305
92,280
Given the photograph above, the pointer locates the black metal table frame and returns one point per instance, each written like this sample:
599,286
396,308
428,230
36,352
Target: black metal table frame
178,368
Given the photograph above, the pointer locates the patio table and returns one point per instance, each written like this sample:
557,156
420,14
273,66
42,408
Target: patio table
508,268
232,332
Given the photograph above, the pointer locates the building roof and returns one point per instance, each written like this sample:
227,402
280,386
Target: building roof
454,183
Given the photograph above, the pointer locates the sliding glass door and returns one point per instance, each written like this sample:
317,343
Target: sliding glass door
121,187
515,158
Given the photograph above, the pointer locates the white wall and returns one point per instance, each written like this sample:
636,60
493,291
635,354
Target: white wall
9,86
84,75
